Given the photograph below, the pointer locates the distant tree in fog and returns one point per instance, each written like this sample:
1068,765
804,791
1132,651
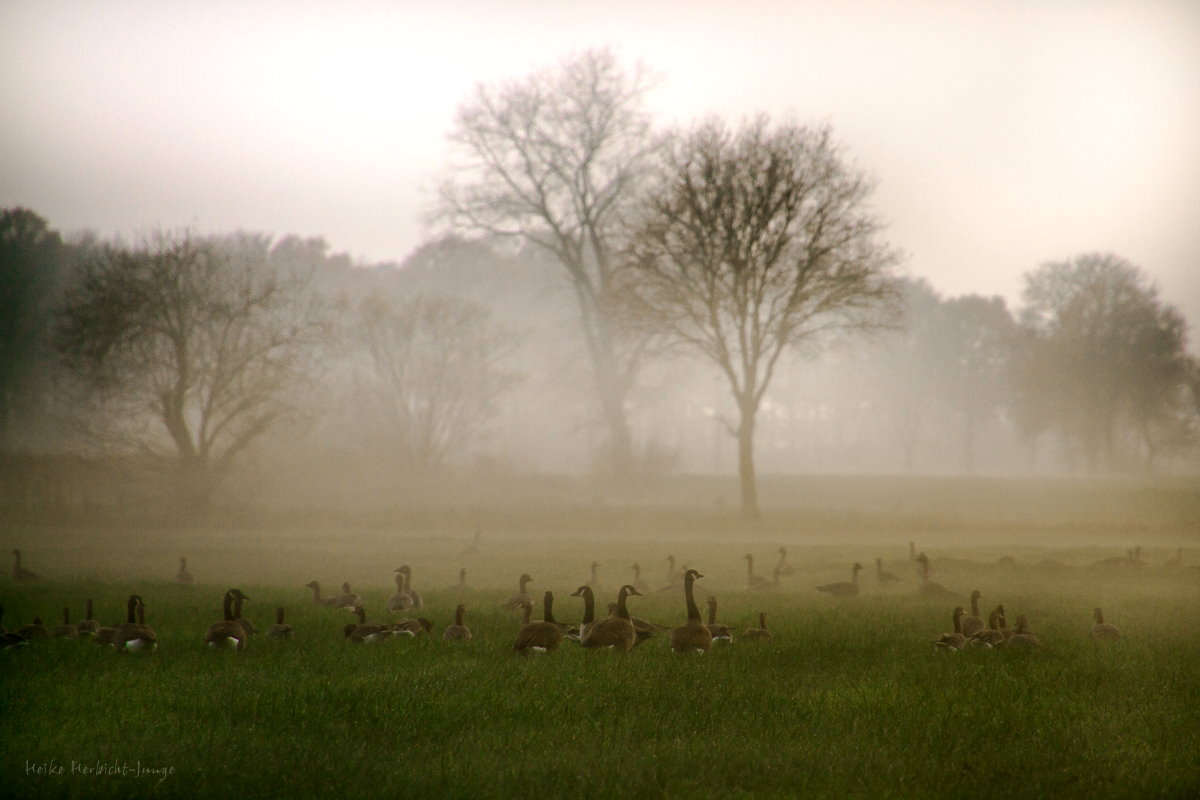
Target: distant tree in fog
190,348
752,242
1102,361
553,159
31,263
436,372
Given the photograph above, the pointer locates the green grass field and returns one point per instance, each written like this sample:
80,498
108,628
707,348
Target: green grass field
847,699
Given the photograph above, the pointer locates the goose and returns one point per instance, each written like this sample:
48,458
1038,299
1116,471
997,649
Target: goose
135,636
1102,629
348,600
248,626
844,588
754,581
589,612
228,634
722,633
461,586
882,575
992,635
952,641
280,630
693,636
66,630
638,583
645,629
8,638
973,624
1021,638
366,632
674,576
1002,622
89,626
594,581
760,632
459,632
540,636
928,587
413,595
317,599
616,631
522,594
183,576
19,573
912,552
411,627
33,630
784,567
400,599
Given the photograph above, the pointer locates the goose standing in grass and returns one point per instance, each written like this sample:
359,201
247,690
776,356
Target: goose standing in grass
400,600
317,599
348,600
1102,629
412,627
280,630
459,632
844,588
720,633
541,635
760,632
973,624
692,636
461,586
991,636
784,568
183,576
66,630
928,587
882,576
754,582
88,626
615,631
366,632
246,624
19,573
594,581
1022,638
135,635
589,612
638,583
228,634
955,640
413,595
522,595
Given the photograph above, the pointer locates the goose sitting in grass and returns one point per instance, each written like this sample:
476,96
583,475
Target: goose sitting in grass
616,631
755,582
19,573
183,576
348,600
928,588
693,636
317,599
364,632
760,632
844,588
720,633
539,636
1022,638
412,627
88,626
135,636
954,640
66,630
991,636
228,634
522,596
1103,630
280,630
458,632
33,631
7,637
414,596
973,623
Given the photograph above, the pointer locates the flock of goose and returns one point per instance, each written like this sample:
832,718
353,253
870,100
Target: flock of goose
619,630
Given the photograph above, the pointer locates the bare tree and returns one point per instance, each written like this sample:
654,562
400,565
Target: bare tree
190,347
436,371
754,242
553,159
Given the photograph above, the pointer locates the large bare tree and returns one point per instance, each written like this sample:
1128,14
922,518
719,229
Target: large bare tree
190,348
752,242
553,159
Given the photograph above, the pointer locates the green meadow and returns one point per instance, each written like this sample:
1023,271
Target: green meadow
849,697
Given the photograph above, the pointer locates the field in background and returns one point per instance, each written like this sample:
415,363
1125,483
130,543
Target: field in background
848,698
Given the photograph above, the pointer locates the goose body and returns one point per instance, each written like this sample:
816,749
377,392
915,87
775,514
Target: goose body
991,636
719,632
973,624
844,588
412,627
1103,630
400,599
459,632
760,632
183,576
754,582
522,595
317,599
539,635
66,630
88,626
33,630
928,587
615,631
280,630
19,573
135,635
366,632
954,640
228,634
693,636
1022,638
7,637
348,600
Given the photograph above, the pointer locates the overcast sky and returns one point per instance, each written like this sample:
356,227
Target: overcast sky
1002,134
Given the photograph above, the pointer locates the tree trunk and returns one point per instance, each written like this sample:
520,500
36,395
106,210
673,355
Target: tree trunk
612,407
745,436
